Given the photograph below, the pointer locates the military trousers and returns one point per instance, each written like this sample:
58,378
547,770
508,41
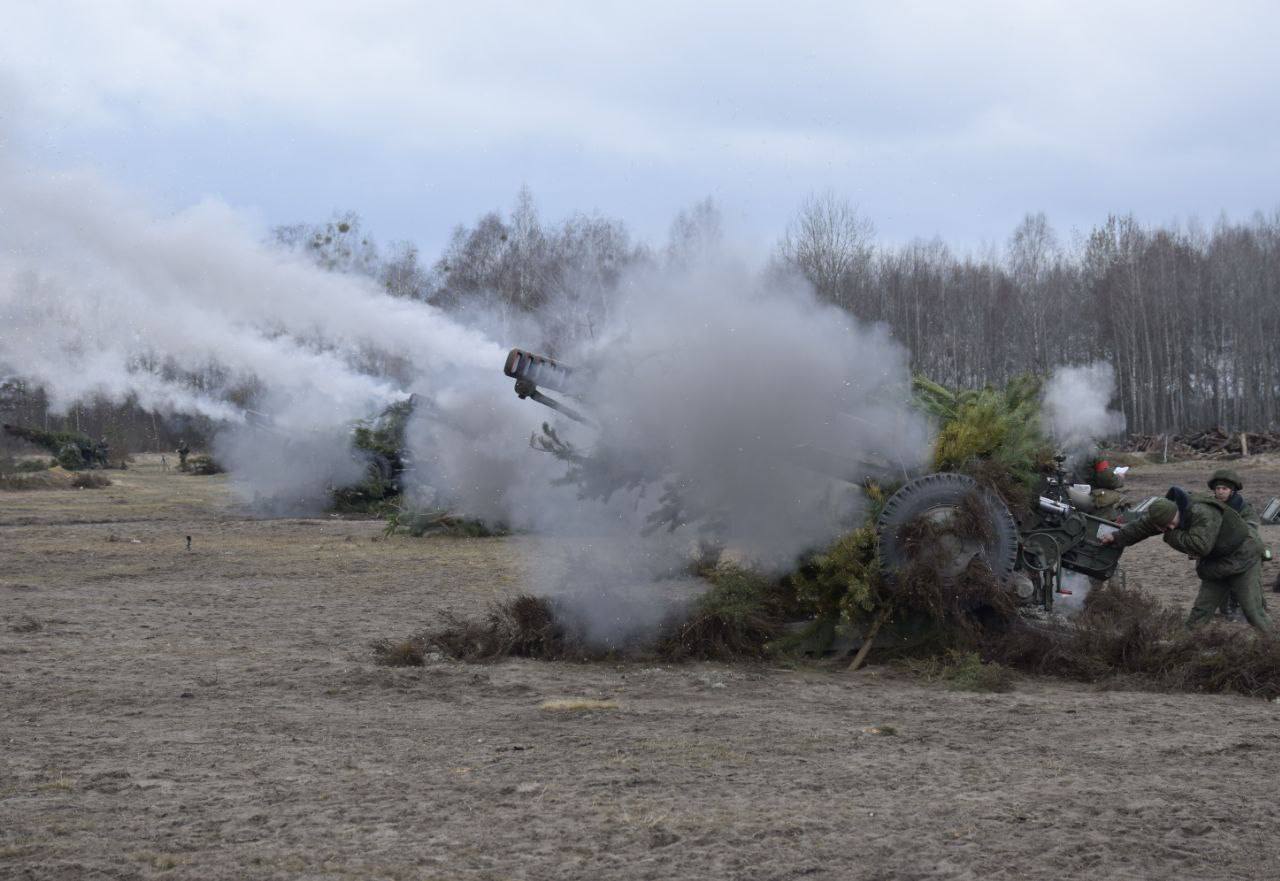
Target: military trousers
1245,588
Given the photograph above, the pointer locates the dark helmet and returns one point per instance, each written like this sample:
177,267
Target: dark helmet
1228,477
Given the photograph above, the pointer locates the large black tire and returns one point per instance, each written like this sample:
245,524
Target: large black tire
942,494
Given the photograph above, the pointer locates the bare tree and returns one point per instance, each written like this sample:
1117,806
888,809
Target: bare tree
696,233
402,275
830,243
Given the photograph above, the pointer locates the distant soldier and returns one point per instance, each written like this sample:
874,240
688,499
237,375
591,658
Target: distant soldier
1101,474
1226,485
1105,481
102,452
1228,554
183,452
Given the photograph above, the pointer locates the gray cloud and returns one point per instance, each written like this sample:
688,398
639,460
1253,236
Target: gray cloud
938,117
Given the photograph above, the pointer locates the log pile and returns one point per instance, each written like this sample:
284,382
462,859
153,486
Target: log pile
1213,443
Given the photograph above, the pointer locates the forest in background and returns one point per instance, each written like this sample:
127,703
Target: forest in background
1186,315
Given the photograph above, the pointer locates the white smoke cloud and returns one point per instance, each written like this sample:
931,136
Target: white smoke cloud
1077,407
749,404
1076,589
753,406
102,298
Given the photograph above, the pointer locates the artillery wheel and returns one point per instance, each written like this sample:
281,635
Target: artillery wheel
939,498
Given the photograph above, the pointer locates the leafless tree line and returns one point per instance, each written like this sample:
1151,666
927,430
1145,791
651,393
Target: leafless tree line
1189,318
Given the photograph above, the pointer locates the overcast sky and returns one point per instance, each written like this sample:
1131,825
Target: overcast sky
948,118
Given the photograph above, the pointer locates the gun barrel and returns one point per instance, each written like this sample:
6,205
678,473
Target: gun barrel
539,370
1051,506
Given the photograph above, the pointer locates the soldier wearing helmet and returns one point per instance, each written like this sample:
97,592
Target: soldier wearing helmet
1226,486
1227,551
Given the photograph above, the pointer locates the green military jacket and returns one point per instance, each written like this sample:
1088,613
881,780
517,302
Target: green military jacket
1250,517
1219,538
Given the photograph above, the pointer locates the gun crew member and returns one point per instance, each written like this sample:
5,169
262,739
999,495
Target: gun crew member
1227,552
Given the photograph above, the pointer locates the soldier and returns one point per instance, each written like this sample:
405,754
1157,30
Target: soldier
1228,555
102,452
1105,481
1102,474
1226,485
183,452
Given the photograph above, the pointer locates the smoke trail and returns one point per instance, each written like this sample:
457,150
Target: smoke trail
102,298
726,407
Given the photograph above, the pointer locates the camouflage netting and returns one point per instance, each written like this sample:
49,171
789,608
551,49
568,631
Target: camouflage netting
381,442
993,435
204,465
70,449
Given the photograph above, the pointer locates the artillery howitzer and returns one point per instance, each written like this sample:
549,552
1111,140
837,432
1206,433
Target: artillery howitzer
71,449
1029,551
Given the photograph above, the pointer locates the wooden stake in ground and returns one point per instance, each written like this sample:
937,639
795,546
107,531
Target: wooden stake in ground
869,639
1244,444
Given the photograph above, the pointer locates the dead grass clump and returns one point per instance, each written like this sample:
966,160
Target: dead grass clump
960,610
26,624
577,705
47,479
1124,636
89,480
409,652
972,519
526,627
203,465
420,523
738,617
963,671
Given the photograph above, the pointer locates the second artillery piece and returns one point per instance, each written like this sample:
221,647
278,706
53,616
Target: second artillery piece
70,449
1030,551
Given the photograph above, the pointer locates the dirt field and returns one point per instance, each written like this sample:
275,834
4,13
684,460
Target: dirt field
215,714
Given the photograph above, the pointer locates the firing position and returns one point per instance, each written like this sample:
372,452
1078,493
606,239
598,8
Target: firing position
1228,553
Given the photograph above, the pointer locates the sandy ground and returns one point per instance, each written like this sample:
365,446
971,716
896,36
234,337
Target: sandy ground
215,714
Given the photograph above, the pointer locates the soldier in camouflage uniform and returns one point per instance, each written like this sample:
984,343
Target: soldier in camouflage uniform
183,452
1105,485
1228,555
1226,485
